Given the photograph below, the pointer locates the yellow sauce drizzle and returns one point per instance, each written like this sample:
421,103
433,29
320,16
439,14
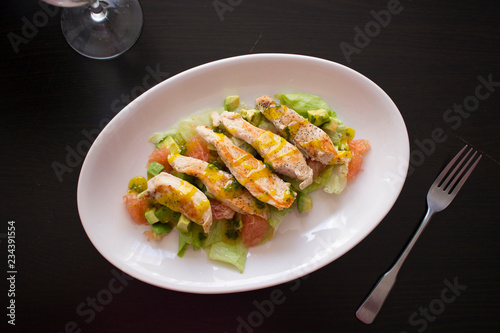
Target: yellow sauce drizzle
232,189
256,174
289,196
315,143
264,140
349,132
273,112
264,197
291,129
289,153
172,157
182,196
259,173
212,174
240,159
202,207
276,149
220,136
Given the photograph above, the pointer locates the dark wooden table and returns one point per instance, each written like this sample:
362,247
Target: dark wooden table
438,60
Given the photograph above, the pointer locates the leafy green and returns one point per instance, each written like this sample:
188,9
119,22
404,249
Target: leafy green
277,216
195,237
337,180
302,103
215,234
159,229
158,137
320,181
184,130
234,254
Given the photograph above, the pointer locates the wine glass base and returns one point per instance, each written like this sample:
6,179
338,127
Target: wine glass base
103,35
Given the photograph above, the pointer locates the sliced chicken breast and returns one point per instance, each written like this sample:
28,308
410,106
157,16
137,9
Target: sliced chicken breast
284,157
311,140
222,185
261,182
181,196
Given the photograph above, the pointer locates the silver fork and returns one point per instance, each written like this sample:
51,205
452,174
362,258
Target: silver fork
440,195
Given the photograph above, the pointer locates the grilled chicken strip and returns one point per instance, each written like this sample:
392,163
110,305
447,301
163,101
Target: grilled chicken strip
284,157
249,171
222,185
182,197
311,140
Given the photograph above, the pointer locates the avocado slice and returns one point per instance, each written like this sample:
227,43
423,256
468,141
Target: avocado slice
165,214
231,102
318,117
183,224
151,217
154,169
253,116
330,126
304,202
160,229
170,143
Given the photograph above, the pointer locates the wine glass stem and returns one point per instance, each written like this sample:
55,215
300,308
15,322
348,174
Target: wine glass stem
98,12
95,6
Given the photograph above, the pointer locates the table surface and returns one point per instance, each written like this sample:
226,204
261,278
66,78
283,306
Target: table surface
430,57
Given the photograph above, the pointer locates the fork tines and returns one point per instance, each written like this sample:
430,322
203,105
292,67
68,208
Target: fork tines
447,180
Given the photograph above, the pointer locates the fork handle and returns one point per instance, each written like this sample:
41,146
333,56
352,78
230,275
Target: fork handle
373,303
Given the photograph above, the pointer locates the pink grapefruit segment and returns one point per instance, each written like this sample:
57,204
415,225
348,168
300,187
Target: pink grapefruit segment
358,148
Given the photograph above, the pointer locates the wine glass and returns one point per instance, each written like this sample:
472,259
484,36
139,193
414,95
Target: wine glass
100,29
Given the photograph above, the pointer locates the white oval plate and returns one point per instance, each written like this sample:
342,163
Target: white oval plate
303,243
